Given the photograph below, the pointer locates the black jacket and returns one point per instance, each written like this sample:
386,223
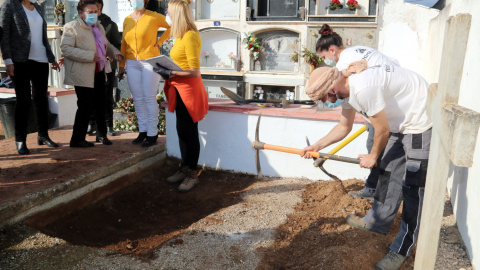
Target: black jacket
16,32
112,34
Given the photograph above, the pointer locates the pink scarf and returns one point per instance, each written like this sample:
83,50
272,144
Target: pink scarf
101,46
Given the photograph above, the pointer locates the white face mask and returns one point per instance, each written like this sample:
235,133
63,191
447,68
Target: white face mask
168,20
33,1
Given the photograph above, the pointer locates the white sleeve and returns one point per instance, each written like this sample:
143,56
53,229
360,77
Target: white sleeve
371,100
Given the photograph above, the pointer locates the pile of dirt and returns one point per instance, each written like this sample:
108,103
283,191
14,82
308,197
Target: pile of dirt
317,235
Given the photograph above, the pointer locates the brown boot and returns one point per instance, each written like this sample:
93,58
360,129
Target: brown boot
190,181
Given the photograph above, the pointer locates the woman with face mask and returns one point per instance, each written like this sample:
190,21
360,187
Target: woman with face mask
185,91
139,43
26,52
330,48
85,49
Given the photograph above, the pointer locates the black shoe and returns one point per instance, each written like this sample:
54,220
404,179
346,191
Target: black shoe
151,140
46,140
111,132
140,138
90,129
22,148
104,140
81,144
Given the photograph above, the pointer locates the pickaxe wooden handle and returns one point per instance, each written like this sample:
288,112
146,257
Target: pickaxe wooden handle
260,145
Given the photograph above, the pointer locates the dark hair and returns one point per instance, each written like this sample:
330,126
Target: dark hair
83,3
100,2
328,38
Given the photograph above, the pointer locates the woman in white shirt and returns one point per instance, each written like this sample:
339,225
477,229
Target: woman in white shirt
26,52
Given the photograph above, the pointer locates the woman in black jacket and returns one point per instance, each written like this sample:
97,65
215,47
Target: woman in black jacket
26,52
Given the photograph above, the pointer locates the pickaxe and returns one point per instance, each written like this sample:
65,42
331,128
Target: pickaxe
258,145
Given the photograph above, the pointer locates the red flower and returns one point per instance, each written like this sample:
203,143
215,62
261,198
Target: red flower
256,49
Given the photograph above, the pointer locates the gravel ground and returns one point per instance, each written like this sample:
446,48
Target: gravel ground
231,238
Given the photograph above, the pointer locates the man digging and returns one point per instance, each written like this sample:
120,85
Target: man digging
394,100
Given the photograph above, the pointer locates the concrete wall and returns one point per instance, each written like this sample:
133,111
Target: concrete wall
415,36
227,145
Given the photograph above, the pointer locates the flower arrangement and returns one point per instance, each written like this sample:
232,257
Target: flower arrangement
311,57
131,123
206,55
59,10
334,4
352,5
188,1
169,41
253,45
294,56
126,105
232,56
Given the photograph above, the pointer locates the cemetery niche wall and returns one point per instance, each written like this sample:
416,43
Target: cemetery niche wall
320,10
276,50
217,9
220,48
276,10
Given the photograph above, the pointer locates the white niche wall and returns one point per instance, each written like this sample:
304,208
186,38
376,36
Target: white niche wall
219,43
218,9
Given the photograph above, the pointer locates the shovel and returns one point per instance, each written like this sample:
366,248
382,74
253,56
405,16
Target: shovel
242,101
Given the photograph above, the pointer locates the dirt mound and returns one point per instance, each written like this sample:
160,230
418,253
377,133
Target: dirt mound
317,235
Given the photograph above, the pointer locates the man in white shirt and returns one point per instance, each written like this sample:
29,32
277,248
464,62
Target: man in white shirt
394,100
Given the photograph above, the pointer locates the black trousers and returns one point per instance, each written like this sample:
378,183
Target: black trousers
89,100
31,80
108,101
187,132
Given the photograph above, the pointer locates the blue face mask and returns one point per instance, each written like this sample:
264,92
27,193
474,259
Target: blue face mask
91,18
137,4
329,62
333,105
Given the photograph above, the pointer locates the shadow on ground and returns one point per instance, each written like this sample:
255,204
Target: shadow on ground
145,215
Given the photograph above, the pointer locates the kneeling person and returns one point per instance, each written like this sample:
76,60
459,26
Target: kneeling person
394,101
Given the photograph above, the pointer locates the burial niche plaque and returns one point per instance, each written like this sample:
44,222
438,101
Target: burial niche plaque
276,48
49,11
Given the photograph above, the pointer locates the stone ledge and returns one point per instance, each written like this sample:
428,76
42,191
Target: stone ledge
74,188
52,92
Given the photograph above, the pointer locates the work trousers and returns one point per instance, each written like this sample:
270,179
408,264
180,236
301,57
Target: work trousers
109,101
403,172
372,178
143,84
31,80
88,100
187,132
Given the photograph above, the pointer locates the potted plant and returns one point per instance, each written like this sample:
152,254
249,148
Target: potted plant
335,4
352,5
253,46
311,58
60,13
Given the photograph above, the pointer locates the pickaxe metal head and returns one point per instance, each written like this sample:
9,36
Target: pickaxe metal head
258,145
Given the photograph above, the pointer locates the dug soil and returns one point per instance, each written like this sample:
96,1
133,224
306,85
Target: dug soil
229,221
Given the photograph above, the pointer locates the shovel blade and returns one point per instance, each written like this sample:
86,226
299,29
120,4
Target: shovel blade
234,96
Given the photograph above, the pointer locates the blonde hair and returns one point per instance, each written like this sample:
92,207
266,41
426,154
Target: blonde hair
182,20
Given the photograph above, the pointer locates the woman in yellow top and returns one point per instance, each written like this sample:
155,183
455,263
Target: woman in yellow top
185,91
139,42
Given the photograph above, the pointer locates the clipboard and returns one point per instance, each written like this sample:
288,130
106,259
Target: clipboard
164,61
